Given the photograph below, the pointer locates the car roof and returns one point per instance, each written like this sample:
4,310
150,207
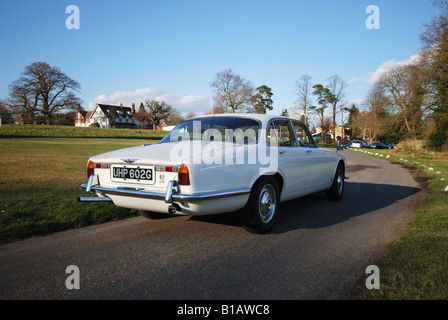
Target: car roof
257,116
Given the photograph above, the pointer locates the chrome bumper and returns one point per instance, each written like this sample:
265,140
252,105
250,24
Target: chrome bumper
171,194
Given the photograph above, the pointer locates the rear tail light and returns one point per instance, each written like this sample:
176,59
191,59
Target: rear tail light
167,168
183,176
90,168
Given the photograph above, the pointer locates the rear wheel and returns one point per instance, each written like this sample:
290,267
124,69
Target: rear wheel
336,190
260,213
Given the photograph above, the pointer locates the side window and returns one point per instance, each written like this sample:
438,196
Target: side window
271,134
283,134
303,135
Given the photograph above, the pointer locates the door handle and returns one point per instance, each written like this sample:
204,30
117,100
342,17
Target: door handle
309,151
283,152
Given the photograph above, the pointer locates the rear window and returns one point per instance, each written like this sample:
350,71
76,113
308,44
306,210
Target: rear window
234,130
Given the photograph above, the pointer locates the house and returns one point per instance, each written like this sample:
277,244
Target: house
107,116
343,133
81,118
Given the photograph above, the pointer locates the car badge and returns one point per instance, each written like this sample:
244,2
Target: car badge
129,160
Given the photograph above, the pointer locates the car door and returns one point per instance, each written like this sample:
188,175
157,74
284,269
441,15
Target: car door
319,165
292,160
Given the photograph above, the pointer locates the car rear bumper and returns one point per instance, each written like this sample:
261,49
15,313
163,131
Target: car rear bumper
171,194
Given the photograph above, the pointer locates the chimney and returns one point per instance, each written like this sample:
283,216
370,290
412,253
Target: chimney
133,107
121,104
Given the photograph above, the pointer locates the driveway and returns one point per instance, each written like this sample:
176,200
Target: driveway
317,250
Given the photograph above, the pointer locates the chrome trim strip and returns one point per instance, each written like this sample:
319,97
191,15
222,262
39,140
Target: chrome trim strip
209,195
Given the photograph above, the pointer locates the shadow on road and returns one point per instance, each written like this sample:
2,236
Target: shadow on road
315,211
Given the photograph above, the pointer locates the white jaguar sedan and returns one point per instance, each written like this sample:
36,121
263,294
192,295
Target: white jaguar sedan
242,163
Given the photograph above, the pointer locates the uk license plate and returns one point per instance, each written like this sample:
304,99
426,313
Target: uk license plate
133,174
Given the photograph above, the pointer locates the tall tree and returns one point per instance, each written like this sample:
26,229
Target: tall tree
175,117
158,111
407,89
262,99
368,125
45,90
435,42
141,116
352,112
324,96
304,91
336,86
377,101
6,113
232,93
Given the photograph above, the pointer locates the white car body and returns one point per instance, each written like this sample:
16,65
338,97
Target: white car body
221,174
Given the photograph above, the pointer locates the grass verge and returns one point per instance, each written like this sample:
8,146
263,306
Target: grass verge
415,266
12,130
40,184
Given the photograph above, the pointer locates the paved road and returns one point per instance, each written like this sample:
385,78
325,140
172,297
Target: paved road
317,250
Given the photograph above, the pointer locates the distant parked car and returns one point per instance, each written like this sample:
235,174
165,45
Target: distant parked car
377,145
356,144
390,146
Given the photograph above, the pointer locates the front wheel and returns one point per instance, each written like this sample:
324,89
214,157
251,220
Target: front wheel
260,213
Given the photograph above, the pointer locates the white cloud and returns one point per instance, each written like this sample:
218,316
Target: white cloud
188,103
373,76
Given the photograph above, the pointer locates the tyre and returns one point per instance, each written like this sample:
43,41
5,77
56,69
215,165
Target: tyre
336,190
260,213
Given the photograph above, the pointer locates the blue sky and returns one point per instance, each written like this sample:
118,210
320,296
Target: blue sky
126,51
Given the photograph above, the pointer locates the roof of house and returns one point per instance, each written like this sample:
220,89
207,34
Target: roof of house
106,108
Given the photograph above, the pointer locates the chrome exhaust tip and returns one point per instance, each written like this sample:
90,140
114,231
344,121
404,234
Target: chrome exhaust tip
172,209
94,199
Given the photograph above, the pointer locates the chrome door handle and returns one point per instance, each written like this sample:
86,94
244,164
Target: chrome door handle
283,152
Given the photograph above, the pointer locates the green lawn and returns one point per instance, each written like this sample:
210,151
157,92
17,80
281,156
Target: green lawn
40,183
12,130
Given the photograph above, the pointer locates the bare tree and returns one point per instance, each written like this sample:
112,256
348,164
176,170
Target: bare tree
157,111
377,101
232,93
190,114
368,124
304,91
406,88
175,117
336,86
45,90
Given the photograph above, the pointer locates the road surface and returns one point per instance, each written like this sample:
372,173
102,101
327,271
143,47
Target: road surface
317,250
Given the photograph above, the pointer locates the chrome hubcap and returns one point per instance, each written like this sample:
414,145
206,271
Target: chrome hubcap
340,182
267,203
